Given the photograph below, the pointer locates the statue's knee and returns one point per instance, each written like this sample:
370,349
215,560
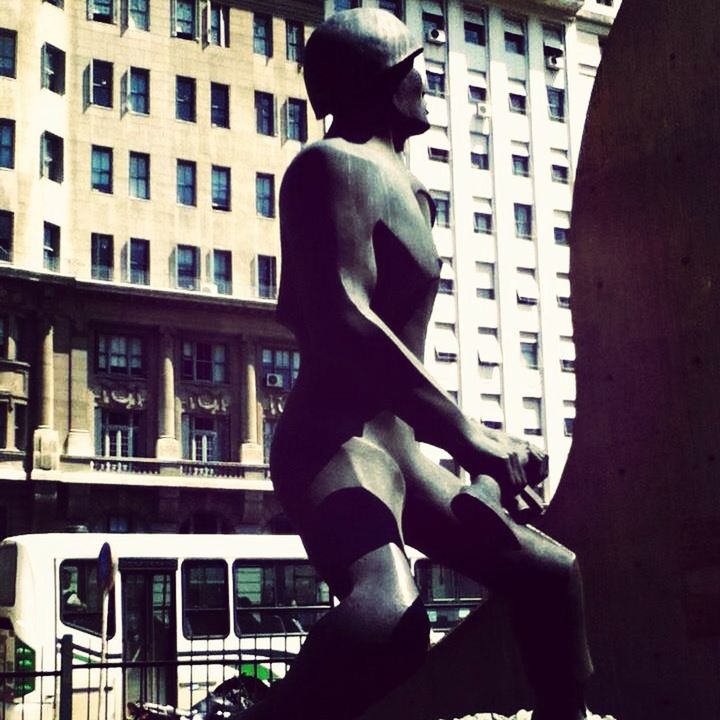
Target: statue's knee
410,637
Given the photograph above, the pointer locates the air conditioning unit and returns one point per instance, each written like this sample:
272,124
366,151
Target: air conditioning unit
554,62
209,287
436,36
274,380
482,109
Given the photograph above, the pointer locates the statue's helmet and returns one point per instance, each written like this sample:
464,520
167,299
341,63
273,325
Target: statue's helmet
347,56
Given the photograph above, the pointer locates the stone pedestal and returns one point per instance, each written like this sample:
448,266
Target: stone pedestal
46,449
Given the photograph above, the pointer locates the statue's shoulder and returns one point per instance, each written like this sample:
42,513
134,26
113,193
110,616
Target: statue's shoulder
334,157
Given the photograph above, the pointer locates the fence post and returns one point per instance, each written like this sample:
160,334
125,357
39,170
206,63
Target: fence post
66,661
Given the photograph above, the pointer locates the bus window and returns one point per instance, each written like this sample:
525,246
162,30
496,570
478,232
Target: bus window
205,599
8,573
278,597
448,596
81,598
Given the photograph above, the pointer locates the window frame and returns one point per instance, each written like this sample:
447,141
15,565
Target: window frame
185,98
51,246
99,16
188,282
266,276
189,25
134,355
102,247
89,571
216,362
219,105
223,281
7,143
138,273
556,104
52,68
186,182
52,160
222,610
138,102
264,113
265,195
262,35
101,177
139,181
7,235
296,119
8,60
523,225
294,41
221,201
101,84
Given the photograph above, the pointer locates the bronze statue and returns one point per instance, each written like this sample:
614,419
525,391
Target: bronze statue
359,278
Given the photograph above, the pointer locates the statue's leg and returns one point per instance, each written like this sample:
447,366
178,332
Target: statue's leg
378,634
537,577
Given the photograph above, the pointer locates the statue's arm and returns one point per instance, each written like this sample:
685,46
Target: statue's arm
328,209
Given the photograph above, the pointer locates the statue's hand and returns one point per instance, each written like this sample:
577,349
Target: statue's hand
516,463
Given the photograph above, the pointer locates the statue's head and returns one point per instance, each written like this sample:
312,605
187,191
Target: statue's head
363,57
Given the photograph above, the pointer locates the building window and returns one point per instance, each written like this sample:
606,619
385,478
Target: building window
8,42
220,187
120,355
53,68
222,271
7,143
3,342
514,36
262,35
477,93
101,170
101,83
562,226
204,362
51,157
527,289
517,96
188,267
567,354
482,222
296,119
485,280
521,159
119,433
559,169
266,276
432,19
442,208
523,220
446,342
447,277
393,6
264,113
606,3
479,151
139,261
474,33
100,10
439,154
185,98
138,99
6,235
219,25
562,288
102,256
265,194
435,74
489,352
139,14
556,104
184,19
220,105
51,247
294,41
345,5
491,412
186,187
205,438
280,367
139,175
533,417
529,349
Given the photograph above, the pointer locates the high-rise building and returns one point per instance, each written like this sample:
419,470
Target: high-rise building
508,85
142,143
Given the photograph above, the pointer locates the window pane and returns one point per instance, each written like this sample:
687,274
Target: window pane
219,105
206,611
81,598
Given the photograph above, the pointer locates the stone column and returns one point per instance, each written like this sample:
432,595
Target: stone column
251,451
46,453
79,441
167,446
12,336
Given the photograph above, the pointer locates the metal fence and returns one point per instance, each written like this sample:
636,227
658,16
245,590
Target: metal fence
83,688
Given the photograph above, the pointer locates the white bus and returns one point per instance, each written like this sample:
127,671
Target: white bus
203,608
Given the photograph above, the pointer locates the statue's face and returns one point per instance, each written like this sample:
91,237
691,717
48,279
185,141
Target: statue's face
409,103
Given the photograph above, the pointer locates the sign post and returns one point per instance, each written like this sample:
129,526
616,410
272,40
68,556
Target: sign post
106,580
